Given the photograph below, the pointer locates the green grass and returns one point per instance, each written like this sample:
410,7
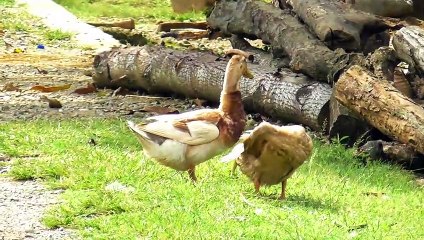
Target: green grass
7,2
57,35
330,197
18,20
151,10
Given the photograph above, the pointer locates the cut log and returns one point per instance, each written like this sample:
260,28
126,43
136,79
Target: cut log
401,83
344,125
397,23
307,54
340,26
260,56
418,87
289,96
133,37
186,34
125,24
387,8
383,62
409,45
382,106
402,154
167,26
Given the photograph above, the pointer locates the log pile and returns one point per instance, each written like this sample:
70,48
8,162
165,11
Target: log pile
330,67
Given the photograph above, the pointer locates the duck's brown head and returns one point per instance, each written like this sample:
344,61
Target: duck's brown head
236,68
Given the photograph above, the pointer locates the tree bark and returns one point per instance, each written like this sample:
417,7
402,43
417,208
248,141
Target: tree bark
409,45
386,8
126,24
403,154
252,19
261,56
383,62
382,106
340,26
287,96
186,34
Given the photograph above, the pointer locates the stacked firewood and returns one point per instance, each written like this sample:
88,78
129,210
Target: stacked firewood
332,65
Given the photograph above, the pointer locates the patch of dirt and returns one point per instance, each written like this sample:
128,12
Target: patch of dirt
22,205
20,72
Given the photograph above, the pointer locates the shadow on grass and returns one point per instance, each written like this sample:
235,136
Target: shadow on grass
301,200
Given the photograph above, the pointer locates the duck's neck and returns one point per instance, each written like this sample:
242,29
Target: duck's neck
232,105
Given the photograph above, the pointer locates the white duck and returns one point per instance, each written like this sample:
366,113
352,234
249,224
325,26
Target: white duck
182,141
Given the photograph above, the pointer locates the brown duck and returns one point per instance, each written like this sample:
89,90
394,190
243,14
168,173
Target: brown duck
270,154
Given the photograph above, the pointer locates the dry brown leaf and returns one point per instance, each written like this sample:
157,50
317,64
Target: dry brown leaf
50,89
90,88
10,87
159,110
199,102
53,103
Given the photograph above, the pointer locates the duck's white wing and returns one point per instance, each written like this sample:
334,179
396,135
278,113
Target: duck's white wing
192,128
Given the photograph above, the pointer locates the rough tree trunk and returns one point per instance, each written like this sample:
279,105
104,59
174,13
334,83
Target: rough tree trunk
403,154
261,56
409,45
340,26
387,8
253,19
382,106
287,96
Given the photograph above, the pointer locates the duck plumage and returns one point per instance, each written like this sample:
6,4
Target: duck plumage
270,154
182,141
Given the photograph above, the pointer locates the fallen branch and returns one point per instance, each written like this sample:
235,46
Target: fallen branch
125,24
167,26
340,26
409,45
382,106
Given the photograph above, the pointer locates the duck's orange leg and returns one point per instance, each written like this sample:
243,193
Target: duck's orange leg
233,170
257,185
192,173
283,190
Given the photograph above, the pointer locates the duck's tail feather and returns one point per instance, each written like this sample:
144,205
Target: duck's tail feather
234,153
